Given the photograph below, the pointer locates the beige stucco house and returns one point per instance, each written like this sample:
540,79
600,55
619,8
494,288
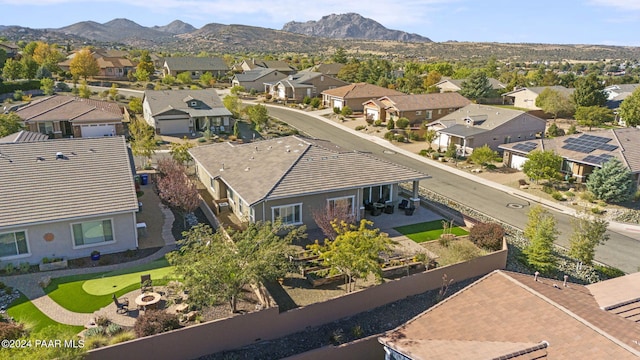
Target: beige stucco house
195,66
298,86
354,95
66,198
291,177
526,97
415,107
257,78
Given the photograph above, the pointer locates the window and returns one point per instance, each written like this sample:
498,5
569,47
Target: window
212,184
45,127
419,112
377,193
230,196
429,114
345,202
13,244
439,111
290,214
92,232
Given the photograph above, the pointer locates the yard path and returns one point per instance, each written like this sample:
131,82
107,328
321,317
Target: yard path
28,283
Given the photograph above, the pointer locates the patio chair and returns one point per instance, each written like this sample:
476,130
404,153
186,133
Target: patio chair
122,305
145,283
403,204
409,211
388,209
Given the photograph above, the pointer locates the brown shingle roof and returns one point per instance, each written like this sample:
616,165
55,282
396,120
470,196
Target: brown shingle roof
94,178
505,307
414,102
360,90
292,166
24,136
73,109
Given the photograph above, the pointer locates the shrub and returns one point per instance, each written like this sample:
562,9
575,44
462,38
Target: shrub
423,152
155,322
346,111
268,96
315,103
402,123
569,194
556,195
459,251
487,236
122,337
95,342
391,124
444,240
608,272
103,321
588,196
415,136
400,138
435,155
360,127
94,331
307,100
377,122
113,329
24,267
9,268
389,135
548,189
11,331
597,210
336,110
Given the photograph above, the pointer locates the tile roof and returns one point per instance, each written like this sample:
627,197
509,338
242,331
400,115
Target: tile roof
360,90
327,69
495,84
506,308
161,101
94,178
538,89
114,62
255,74
484,117
196,63
294,166
24,136
626,140
427,101
70,108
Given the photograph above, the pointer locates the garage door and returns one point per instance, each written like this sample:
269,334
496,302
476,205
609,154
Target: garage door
373,114
517,161
337,103
99,130
174,126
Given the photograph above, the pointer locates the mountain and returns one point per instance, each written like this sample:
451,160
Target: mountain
176,27
350,26
116,30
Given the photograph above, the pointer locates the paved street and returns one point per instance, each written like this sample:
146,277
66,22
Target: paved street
620,251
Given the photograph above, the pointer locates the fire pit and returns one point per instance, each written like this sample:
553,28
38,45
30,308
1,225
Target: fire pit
148,300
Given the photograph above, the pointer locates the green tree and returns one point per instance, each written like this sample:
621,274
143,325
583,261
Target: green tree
216,269
589,92
3,57
232,103
113,92
541,232
483,155
593,116
391,124
12,70
184,78
84,91
29,67
206,79
47,55
237,89
430,136
433,77
346,111
142,75
47,85
84,65
340,56
169,80
315,102
587,234
555,103
452,150
355,252
143,142
10,123
612,183
542,165
402,123
180,151
630,109
145,65
258,115
476,86
135,105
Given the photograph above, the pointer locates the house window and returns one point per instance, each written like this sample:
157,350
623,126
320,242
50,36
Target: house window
380,193
429,114
213,184
439,111
289,214
92,232
13,244
345,202
419,112
45,127
230,196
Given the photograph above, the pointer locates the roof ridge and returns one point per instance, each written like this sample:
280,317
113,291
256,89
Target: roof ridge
49,109
83,113
284,174
622,149
572,314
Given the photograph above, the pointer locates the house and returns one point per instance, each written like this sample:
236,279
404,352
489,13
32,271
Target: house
582,153
66,198
616,94
455,85
415,107
331,69
525,97
112,63
11,49
185,111
507,315
255,79
70,116
298,86
281,66
476,125
24,136
195,66
291,177
354,95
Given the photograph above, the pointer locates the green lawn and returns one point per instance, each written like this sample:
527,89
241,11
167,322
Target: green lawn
87,293
427,231
28,314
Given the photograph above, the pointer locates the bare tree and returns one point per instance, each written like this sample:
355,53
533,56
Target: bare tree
340,211
175,187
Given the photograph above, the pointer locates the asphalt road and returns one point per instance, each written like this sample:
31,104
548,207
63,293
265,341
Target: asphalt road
620,251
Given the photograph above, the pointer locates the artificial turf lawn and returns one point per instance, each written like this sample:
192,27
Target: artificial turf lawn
26,313
70,292
427,231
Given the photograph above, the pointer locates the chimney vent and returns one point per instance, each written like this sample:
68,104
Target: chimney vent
59,155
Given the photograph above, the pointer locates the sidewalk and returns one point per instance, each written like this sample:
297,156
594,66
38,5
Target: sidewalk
28,283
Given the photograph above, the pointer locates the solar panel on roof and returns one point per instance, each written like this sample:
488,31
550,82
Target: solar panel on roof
525,147
607,147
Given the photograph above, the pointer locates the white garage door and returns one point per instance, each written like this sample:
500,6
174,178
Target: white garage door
174,126
337,103
517,161
374,114
99,130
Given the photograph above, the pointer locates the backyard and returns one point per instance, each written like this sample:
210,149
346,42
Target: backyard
429,231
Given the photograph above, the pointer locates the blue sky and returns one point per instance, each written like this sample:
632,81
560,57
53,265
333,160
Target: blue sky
606,22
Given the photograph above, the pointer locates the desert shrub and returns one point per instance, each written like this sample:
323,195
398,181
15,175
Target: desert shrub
548,189
24,267
360,127
11,331
315,103
122,337
389,135
588,196
94,331
377,122
444,240
346,111
415,136
557,195
336,110
155,322
402,123
400,138
95,342
113,329
569,194
423,152
391,124
597,210
459,251
487,236
103,321
9,268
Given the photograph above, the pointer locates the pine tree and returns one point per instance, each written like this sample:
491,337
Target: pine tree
541,232
612,183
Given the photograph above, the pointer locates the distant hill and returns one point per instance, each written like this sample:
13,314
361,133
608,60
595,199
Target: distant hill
176,27
350,26
116,30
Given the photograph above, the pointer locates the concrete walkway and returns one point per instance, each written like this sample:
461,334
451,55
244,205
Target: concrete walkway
28,283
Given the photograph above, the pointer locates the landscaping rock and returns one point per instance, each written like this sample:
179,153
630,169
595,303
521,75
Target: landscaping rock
44,281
